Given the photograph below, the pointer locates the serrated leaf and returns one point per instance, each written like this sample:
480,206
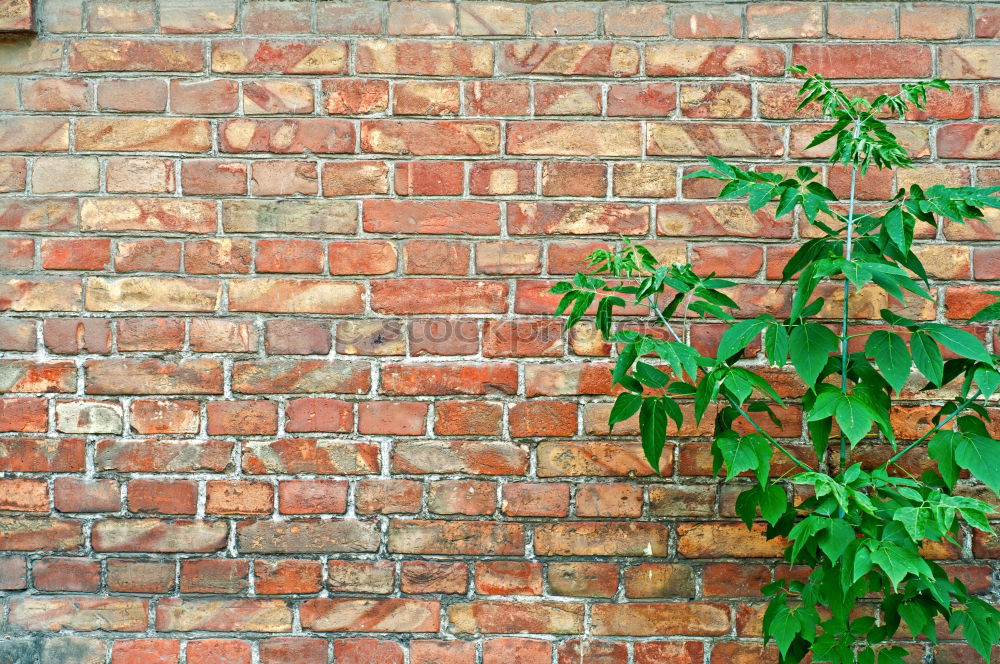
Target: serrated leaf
738,336
776,344
891,357
927,358
942,448
835,539
853,418
959,342
743,453
980,455
650,376
626,405
653,430
811,345
981,633
773,503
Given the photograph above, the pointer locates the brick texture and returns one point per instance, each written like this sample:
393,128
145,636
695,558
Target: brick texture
279,378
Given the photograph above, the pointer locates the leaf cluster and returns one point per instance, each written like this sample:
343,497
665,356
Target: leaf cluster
861,528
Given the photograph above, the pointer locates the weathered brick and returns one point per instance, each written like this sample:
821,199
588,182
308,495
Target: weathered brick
302,455
370,615
648,619
507,617
417,137
307,536
456,537
295,296
135,55
188,615
699,59
82,614
251,56
426,58
288,136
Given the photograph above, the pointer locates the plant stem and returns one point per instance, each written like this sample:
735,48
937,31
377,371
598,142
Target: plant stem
847,291
731,400
940,425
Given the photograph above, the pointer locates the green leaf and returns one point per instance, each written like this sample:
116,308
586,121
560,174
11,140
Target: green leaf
897,562
891,356
811,345
736,338
776,344
981,632
853,418
653,430
927,357
650,376
942,448
626,405
959,342
836,538
743,453
783,629
773,503
979,455
893,223
802,532
862,563
988,381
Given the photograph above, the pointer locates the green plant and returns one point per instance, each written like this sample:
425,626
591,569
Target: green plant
859,529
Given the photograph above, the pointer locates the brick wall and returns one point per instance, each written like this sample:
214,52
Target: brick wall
281,383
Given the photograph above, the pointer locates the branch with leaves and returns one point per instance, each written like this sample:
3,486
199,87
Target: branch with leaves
861,530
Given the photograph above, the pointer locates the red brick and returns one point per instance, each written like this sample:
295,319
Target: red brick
421,17
785,21
289,136
56,94
367,651
312,496
13,573
609,500
23,495
706,20
508,577
198,96
213,176
426,137
854,60
462,497
933,21
583,579
574,179
701,59
863,21
433,577
498,98
207,575
467,418
222,336
355,96
136,334
218,651
284,178
23,415
81,495
526,651
442,652
424,58
425,98
146,651
251,56
389,418
363,576
287,650
148,256
429,178
286,577
388,497
524,499
138,95
163,496
238,497
543,418
274,18
76,254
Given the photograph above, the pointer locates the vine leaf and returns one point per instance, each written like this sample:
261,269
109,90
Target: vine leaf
891,356
811,345
978,454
